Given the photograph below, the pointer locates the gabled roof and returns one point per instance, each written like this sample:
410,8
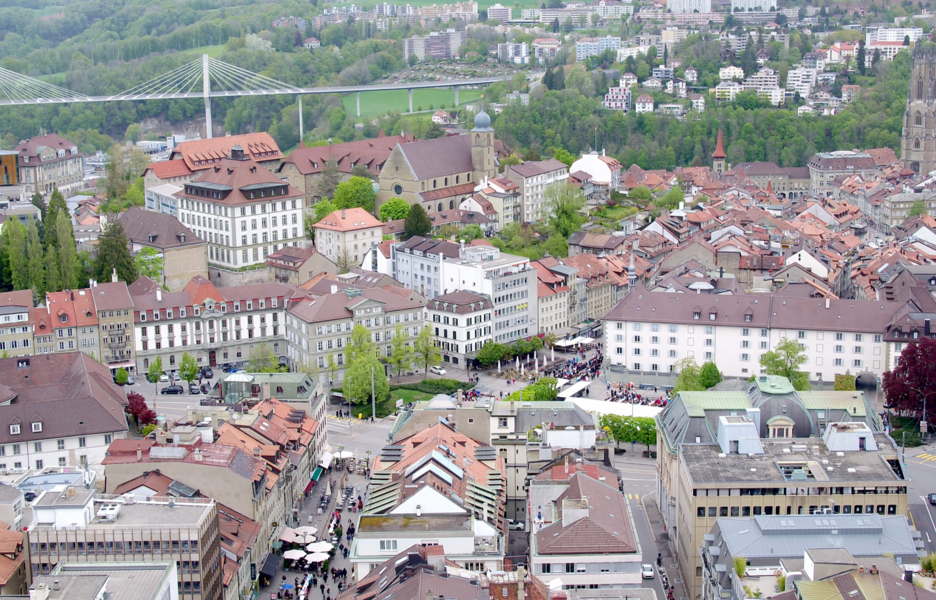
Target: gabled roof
236,179
439,157
167,169
258,146
156,230
350,219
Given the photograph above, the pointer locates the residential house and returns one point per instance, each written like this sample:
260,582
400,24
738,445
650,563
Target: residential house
644,104
48,163
184,255
461,322
295,266
417,264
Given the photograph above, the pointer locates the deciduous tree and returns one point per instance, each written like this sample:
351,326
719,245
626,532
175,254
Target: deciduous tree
188,368
425,350
910,387
490,353
401,354
355,192
155,370
149,263
262,360
785,360
357,381
393,209
689,376
709,376
361,344
561,206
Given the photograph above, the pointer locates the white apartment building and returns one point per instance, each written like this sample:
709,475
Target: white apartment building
892,34
688,6
346,235
801,80
586,47
161,198
461,323
417,264
644,104
887,51
545,49
501,13
214,325
533,178
647,333
553,301
727,90
318,331
753,5
242,210
508,280
766,83
618,98
730,73
518,54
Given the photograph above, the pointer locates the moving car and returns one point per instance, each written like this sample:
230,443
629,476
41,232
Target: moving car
438,370
931,498
646,571
172,389
515,525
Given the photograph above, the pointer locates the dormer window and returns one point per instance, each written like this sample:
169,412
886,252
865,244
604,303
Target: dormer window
712,316
63,318
696,315
15,429
37,427
747,318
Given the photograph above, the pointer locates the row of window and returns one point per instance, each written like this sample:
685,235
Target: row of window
167,313
747,511
745,331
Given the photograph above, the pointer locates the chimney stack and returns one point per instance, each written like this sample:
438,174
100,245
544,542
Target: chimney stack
344,214
114,275
158,295
139,453
334,289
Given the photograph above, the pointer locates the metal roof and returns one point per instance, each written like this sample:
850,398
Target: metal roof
853,402
716,400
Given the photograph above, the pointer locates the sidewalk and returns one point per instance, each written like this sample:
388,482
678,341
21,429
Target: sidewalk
309,516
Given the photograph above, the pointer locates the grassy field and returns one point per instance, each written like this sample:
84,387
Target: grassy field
410,396
212,51
375,103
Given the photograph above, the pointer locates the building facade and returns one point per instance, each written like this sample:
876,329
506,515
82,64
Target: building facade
461,323
244,211
345,236
534,178
49,162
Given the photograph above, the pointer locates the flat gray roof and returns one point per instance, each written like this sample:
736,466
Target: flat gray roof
139,514
125,581
706,466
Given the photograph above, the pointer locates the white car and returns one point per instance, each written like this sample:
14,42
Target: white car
163,378
515,525
438,370
646,571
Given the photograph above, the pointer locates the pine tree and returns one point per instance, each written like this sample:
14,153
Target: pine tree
35,260
113,252
860,57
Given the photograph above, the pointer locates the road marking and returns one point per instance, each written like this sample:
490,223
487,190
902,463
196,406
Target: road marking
925,456
926,508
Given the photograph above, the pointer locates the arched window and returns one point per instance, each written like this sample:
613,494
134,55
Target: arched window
451,205
918,119
146,363
172,359
916,143
489,139
477,139
440,207
919,93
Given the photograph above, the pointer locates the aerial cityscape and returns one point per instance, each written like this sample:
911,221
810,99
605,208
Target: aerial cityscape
568,300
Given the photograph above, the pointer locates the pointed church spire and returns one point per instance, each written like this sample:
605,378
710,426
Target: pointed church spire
769,187
719,149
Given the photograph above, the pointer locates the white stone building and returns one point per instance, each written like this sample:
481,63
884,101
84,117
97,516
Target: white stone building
346,235
461,323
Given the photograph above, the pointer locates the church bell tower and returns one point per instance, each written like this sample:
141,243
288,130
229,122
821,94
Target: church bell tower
917,142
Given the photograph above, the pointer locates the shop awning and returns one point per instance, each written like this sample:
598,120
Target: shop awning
276,545
309,486
317,473
327,458
270,564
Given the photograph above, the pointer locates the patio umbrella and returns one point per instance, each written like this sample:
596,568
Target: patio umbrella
552,354
521,369
344,454
286,586
316,557
305,539
498,366
289,535
319,547
293,554
518,363
306,530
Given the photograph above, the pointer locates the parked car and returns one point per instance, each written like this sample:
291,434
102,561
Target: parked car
931,498
172,389
163,378
226,368
515,525
207,373
438,370
646,571
193,388
205,388
130,380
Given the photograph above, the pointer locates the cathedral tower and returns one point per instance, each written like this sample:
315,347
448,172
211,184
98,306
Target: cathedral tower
718,157
482,147
917,141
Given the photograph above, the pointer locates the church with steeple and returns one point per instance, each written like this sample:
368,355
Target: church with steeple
917,140
718,157
438,174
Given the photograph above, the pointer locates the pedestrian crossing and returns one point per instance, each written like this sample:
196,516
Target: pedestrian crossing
633,497
925,456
